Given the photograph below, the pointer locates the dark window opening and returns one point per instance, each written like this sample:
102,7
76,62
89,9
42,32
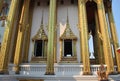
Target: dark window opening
48,2
61,2
72,2
38,3
67,47
38,48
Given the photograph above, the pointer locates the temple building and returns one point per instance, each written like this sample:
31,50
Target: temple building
49,40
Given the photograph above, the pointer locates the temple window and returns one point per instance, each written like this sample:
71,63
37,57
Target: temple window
40,41
38,3
61,2
68,45
39,48
68,48
72,2
48,3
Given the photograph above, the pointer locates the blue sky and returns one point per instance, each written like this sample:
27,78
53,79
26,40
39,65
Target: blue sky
116,13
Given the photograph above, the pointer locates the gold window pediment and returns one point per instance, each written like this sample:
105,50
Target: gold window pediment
41,35
68,34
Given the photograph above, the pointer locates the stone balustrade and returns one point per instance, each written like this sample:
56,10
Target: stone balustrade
62,69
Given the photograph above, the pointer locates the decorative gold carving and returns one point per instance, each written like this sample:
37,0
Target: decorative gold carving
68,34
38,60
40,34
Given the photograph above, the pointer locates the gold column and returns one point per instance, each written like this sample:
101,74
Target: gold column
4,52
28,33
100,58
50,55
84,36
23,24
1,4
105,36
95,44
13,45
114,36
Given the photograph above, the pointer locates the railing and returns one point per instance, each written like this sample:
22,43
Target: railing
31,69
95,68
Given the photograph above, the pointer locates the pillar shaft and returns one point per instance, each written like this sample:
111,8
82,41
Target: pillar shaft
4,53
99,52
50,55
28,32
114,37
23,24
106,42
84,36
15,33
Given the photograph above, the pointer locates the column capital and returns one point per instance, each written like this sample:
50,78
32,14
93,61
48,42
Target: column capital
82,1
99,1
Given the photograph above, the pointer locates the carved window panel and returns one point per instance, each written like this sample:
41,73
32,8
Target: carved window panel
68,46
40,41
39,51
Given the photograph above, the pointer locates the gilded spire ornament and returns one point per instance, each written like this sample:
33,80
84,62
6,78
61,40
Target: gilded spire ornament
41,35
68,34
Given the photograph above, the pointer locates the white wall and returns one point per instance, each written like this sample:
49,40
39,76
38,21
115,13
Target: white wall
73,21
61,19
37,16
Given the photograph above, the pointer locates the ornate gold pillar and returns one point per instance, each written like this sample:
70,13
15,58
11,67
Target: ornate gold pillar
28,33
4,52
23,24
105,36
50,55
1,4
113,35
15,33
84,36
98,48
